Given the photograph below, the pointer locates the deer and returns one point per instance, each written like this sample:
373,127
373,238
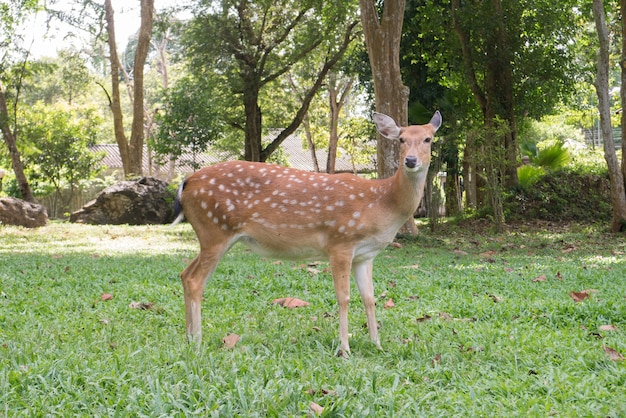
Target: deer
291,214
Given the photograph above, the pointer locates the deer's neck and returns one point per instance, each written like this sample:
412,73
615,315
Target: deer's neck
406,190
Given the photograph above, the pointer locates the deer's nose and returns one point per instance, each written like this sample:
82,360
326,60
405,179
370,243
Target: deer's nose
410,161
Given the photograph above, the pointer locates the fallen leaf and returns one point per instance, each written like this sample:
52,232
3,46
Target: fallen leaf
495,298
508,269
436,360
389,304
541,278
487,254
578,296
317,409
67,268
607,327
558,275
413,297
445,316
230,341
613,355
141,305
424,318
459,252
313,271
277,262
396,245
290,302
106,296
569,248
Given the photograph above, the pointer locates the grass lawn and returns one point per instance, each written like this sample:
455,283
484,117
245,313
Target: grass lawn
92,324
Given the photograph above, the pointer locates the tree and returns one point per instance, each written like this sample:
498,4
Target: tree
130,151
490,60
383,34
57,141
382,39
11,16
616,176
255,43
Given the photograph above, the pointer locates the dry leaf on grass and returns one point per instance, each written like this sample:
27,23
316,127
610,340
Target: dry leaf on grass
141,305
230,341
459,252
541,278
290,302
424,318
317,409
578,296
106,296
607,328
389,304
396,245
495,298
613,355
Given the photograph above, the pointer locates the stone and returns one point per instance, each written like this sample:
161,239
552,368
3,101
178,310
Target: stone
141,202
19,212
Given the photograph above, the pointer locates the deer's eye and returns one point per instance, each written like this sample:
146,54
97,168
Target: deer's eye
427,139
402,141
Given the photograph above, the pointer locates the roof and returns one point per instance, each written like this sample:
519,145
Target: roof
296,155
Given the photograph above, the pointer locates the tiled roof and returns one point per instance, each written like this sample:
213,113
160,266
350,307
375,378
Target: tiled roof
297,156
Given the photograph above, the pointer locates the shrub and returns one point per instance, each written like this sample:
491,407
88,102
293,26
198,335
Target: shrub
563,195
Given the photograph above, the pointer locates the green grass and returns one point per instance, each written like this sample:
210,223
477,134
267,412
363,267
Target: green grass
496,343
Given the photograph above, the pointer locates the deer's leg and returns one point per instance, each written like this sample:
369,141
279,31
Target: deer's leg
194,278
363,276
340,264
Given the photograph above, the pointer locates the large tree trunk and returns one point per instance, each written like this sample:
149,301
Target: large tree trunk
131,153
114,103
618,192
11,141
137,135
382,39
622,4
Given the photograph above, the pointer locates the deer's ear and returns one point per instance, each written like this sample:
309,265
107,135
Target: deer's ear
386,126
436,120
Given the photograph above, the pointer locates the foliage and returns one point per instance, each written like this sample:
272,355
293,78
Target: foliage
92,323
528,175
55,141
563,195
191,120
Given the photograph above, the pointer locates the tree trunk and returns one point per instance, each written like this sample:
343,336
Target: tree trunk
337,99
11,141
253,133
623,86
114,103
618,192
382,39
309,140
137,132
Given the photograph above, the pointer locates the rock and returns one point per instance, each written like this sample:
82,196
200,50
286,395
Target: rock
141,202
19,212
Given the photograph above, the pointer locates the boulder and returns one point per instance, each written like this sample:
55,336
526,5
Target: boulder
141,202
19,212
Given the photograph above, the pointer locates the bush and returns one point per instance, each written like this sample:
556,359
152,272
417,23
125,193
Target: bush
563,195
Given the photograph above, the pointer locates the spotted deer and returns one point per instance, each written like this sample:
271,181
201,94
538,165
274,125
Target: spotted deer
285,213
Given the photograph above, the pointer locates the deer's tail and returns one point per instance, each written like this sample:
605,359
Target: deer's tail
178,206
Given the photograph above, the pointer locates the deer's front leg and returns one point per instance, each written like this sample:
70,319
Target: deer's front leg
363,276
340,264
194,278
